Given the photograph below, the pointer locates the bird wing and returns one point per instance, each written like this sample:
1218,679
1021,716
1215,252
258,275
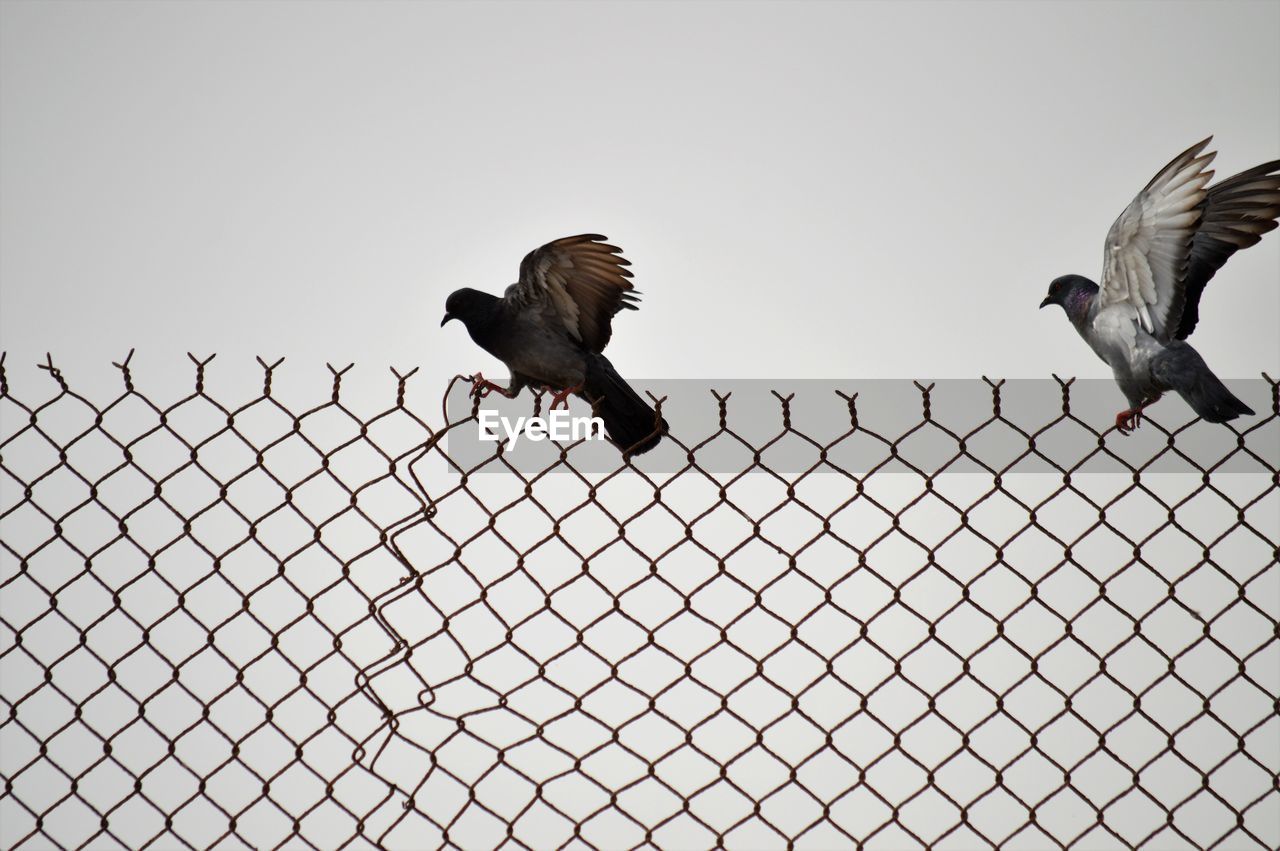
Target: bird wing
1235,215
1149,246
579,281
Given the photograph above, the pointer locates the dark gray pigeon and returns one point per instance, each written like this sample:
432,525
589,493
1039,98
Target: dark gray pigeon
550,328
1159,255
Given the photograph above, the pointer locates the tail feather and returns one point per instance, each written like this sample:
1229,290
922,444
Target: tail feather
1180,368
1211,399
632,425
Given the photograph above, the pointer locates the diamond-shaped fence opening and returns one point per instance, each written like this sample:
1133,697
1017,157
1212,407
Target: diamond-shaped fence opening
227,622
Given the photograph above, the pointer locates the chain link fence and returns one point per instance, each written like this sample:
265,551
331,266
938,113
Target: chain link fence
235,624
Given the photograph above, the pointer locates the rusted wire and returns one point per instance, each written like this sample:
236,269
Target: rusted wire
249,740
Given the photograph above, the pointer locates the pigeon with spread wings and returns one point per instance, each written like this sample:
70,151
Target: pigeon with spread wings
551,326
1159,255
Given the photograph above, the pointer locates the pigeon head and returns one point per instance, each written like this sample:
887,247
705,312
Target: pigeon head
1072,293
468,305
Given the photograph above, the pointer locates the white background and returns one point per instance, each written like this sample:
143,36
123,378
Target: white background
829,190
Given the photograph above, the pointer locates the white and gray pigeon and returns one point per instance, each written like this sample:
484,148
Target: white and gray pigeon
1159,255
550,328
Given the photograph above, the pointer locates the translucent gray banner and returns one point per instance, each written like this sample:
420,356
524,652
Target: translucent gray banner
891,426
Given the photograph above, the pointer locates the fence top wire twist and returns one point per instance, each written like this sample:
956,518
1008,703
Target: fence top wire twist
237,623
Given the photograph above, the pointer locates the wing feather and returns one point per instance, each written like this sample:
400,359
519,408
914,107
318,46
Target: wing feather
1149,245
582,281
1236,213
1178,232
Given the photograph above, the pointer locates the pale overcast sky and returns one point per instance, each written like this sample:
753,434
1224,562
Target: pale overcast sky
828,189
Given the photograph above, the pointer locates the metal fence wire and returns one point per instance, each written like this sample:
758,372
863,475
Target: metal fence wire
237,625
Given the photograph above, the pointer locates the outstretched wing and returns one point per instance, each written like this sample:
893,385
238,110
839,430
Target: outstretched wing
1234,215
1149,246
582,281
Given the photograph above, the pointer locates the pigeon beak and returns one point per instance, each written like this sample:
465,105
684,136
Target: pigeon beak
447,317
1048,300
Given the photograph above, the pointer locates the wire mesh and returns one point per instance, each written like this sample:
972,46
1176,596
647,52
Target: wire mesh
231,625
